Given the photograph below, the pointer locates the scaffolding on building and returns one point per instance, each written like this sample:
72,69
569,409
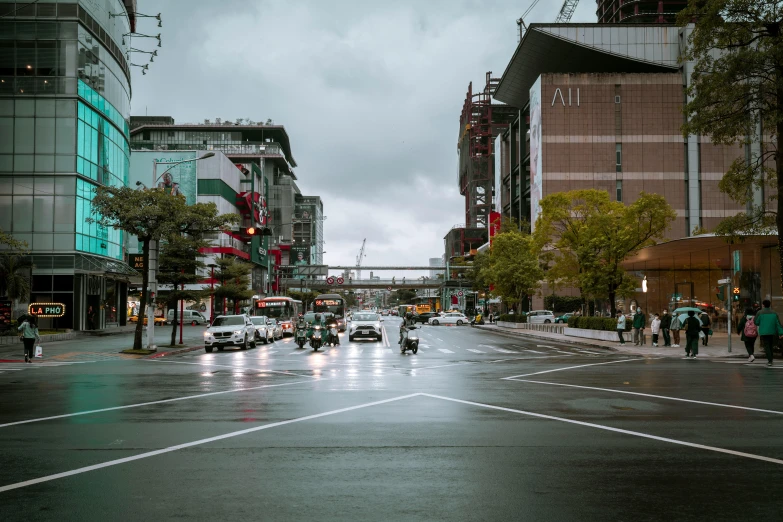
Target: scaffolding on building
480,121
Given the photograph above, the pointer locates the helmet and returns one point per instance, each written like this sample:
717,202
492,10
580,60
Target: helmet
408,314
317,317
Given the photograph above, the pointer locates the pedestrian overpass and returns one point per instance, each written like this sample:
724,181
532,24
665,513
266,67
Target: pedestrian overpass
317,277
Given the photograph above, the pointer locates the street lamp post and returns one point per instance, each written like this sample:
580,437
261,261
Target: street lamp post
212,292
153,257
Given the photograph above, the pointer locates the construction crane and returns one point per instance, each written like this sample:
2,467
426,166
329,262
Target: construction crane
566,12
563,17
359,259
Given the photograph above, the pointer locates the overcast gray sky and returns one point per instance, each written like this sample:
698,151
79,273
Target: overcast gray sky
369,91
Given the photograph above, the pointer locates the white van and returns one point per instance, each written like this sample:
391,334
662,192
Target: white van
193,317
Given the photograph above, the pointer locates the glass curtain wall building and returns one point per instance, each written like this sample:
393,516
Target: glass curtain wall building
64,109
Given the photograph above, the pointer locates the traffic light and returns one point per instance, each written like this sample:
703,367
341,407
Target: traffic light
720,292
736,293
250,231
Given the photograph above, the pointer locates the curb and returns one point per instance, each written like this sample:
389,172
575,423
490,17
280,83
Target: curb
586,342
173,352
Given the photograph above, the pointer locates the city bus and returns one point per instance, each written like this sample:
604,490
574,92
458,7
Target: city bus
283,309
333,303
423,308
404,309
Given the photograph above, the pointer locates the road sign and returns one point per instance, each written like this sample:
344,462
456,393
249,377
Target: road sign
724,281
737,261
460,293
340,280
330,280
388,288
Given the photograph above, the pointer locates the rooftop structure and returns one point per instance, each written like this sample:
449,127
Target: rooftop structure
639,11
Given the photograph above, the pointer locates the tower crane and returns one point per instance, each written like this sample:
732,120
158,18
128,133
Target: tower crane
563,17
359,259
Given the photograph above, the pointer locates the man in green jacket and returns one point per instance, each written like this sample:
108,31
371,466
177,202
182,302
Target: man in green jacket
769,327
692,329
639,322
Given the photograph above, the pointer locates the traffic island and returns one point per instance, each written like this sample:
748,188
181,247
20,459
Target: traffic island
143,351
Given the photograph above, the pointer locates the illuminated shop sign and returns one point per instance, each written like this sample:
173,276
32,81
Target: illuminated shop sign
46,309
328,302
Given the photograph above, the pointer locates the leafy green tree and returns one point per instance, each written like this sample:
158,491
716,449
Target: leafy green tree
151,215
13,244
234,277
513,267
476,275
589,237
736,98
15,271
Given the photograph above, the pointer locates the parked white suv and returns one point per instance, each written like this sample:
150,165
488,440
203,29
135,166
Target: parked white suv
541,317
230,330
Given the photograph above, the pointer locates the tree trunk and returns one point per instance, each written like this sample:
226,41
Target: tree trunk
145,281
779,171
174,322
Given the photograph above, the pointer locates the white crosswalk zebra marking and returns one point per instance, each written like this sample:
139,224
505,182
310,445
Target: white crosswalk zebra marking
503,350
475,351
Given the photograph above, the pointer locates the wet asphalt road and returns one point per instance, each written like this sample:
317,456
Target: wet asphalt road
361,432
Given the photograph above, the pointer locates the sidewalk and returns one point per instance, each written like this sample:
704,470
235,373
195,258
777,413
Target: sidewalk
87,347
718,344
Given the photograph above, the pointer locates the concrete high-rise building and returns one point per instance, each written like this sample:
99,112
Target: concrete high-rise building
65,90
268,185
639,11
436,261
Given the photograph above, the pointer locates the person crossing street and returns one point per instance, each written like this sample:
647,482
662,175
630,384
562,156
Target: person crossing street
769,327
692,331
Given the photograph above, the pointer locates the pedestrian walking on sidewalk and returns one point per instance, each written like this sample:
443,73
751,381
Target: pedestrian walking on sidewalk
620,327
30,336
769,327
748,332
639,322
666,324
676,326
705,327
655,328
491,317
692,331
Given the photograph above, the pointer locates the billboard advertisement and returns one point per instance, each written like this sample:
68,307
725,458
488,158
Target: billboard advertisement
300,256
536,161
180,179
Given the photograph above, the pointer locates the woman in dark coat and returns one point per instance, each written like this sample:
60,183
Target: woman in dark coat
750,342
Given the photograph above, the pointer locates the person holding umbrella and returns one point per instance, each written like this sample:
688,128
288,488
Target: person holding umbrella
692,331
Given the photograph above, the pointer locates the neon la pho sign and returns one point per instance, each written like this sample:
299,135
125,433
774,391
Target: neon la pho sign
46,309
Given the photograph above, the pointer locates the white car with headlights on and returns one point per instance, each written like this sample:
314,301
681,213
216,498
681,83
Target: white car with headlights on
264,332
366,325
230,330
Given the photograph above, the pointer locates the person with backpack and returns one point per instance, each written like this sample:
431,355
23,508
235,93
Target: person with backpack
768,327
748,333
705,327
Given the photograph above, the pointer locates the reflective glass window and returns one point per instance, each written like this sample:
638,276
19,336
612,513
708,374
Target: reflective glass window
24,135
44,135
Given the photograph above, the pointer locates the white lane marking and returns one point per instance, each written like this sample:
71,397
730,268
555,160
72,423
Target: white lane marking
474,350
544,346
234,366
534,351
140,404
587,351
609,428
445,350
579,366
652,395
162,451
503,350
385,337
439,339
298,352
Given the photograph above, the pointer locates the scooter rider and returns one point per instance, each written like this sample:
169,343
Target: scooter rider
331,322
407,321
317,321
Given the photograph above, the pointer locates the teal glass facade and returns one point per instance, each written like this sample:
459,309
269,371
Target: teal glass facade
92,237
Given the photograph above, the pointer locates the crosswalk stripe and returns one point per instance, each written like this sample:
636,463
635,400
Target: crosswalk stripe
475,351
533,351
503,350
444,350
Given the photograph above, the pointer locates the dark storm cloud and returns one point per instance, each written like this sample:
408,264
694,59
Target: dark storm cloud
369,92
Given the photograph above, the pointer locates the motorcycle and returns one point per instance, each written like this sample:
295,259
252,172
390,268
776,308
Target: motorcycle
331,335
316,338
410,340
301,336
479,319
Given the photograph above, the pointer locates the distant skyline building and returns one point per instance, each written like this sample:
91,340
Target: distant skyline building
436,261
